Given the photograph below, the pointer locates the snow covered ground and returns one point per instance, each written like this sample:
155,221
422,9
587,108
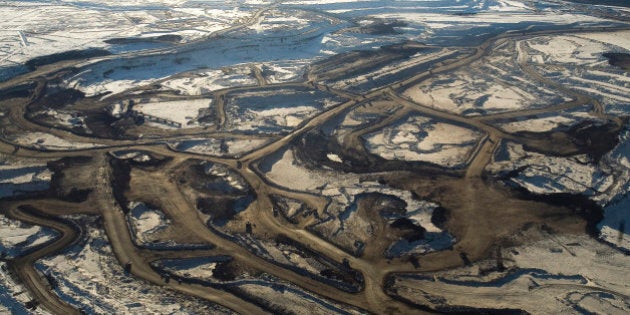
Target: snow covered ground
63,118
145,222
45,141
274,111
89,277
288,35
183,113
202,82
298,40
22,174
13,295
219,147
494,84
464,92
547,175
577,61
564,274
442,21
38,28
19,178
285,71
340,222
417,138
545,123
343,224
270,289
17,237
278,47
608,183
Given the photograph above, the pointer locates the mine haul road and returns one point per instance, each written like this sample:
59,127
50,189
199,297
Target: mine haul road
375,272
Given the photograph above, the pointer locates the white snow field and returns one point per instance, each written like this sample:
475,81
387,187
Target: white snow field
241,74
90,277
182,112
418,138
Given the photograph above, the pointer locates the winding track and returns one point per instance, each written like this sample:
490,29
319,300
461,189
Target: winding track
374,273
24,267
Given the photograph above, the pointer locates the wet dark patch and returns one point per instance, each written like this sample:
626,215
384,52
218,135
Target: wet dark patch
410,231
170,39
390,206
620,60
77,195
592,137
576,204
121,176
74,194
596,138
217,196
380,27
225,271
105,126
17,91
55,98
440,217
223,208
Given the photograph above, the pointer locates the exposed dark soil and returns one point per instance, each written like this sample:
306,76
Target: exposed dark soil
439,217
410,231
380,27
223,208
342,276
580,205
57,99
620,60
120,181
455,310
596,138
18,91
105,126
282,206
312,150
217,197
71,194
